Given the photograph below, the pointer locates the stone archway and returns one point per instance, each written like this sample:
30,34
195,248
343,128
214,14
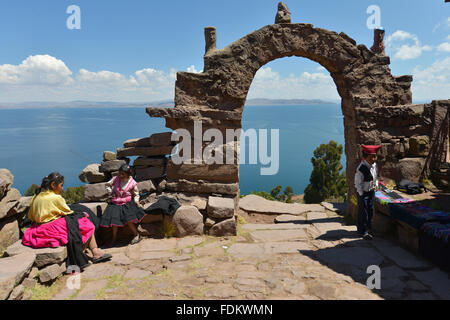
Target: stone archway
217,95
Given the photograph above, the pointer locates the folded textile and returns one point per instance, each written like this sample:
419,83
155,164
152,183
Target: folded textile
164,205
416,215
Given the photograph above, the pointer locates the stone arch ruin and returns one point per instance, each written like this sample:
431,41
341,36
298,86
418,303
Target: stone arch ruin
376,105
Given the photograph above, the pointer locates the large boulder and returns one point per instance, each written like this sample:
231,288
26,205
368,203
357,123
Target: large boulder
12,271
220,208
9,232
6,181
410,168
44,256
96,193
92,174
9,203
188,221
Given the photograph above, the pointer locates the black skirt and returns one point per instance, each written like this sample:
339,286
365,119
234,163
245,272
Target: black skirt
120,216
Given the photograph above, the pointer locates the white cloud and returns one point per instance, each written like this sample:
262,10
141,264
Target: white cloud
270,84
36,70
43,77
445,47
432,82
405,51
193,69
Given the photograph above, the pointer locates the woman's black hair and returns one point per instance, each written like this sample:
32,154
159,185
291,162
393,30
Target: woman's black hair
55,177
364,155
126,168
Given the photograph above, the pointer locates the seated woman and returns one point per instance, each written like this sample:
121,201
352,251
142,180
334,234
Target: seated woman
47,211
124,209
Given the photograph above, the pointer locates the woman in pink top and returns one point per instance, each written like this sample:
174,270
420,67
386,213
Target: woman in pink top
124,209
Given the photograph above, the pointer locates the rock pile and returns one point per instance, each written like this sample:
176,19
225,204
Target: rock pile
149,166
12,209
24,267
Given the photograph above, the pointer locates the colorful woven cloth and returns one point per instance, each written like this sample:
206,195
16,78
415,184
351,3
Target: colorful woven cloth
434,243
437,231
416,215
384,199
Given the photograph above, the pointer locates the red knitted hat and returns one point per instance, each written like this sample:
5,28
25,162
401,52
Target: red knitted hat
370,149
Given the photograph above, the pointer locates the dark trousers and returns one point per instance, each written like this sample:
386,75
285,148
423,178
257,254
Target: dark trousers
365,211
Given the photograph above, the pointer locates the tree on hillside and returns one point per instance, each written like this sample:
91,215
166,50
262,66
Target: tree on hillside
327,180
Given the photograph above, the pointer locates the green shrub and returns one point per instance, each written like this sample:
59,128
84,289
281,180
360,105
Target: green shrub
263,194
73,194
326,180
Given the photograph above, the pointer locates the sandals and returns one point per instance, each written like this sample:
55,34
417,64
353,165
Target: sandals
103,258
136,239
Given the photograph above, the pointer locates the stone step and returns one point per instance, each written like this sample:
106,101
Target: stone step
256,204
43,256
13,270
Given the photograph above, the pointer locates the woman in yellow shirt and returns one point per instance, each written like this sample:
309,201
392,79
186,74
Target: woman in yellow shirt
47,211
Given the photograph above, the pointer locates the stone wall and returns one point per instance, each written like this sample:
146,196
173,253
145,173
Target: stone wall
217,95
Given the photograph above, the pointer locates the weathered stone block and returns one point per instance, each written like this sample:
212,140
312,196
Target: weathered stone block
50,273
188,221
410,168
144,151
211,172
149,173
12,271
201,186
96,192
9,232
112,165
224,228
109,156
150,161
161,139
6,181
92,174
220,208
9,202
146,186
96,207
419,146
43,256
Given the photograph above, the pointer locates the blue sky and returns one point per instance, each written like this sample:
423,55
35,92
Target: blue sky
131,50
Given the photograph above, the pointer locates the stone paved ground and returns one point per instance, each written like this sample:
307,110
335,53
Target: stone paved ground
311,256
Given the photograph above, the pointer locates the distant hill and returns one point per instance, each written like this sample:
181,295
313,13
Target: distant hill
282,102
160,104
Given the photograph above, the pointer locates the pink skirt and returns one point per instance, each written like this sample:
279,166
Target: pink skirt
54,233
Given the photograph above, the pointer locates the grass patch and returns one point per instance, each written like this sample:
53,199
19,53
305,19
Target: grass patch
44,292
168,228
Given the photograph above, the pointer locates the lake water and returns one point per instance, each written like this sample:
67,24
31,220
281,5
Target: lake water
35,142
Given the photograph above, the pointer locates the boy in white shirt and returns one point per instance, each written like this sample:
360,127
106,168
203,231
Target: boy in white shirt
366,181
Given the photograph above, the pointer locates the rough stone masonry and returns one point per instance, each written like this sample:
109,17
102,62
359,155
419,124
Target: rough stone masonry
376,105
